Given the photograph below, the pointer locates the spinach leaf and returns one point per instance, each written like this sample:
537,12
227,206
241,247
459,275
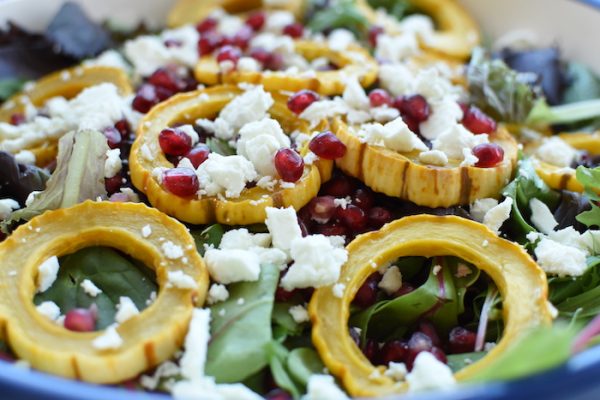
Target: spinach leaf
211,235
397,8
220,146
584,85
590,179
456,362
283,322
304,362
240,329
343,14
115,274
10,86
278,354
578,298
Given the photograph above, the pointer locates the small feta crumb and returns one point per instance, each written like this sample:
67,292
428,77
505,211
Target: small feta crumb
396,371
7,206
485,243
299,314
89,288
560,259
126,309
232,265
25,157
323,387
171,250
113,164
108,340
434,157
146,231
391,281
338,290
436,269
395,135
541,216
496,216
49,309
181,280
196,344
217,293
339,39
47,272
480,207
469,159
429,373
283,226
557,152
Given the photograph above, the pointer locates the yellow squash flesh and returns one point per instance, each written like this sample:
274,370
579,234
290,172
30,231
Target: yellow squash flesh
521,283
402,175
149,338
250,207
66,83
355,61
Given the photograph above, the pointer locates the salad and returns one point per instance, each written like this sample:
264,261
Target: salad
318,199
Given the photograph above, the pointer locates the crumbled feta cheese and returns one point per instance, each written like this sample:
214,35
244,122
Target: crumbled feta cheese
433,86
196,345
480,207
248,64
275,257
396,371
273,43
542,217
108,340
113,164
469,159
354,94
444,115
126,309
277,20
7,206
248,107
171,250
89,288
299,314
323,109
338,290
49,309
496,216
232,265
259,141
396,79
25,157
109,58
395,135
205,388
225,173
560,259
180,280
556,151
429,373
391,281
454,140
396,48
433,157
146,231
323,387
384,113
191,132
217,293
316,263
244,240
283,226
47,272
164,370
339,39
219,127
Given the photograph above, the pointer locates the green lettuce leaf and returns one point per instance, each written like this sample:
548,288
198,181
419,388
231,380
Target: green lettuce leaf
8,87
277,354
343,14
590,179
211,235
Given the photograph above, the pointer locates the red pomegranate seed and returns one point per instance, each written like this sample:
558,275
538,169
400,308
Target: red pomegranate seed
374,32
261,55
427,328
283,295
439,354
275,63
299,101
477,121
166,78
378,216
295,30
417,343
366,295
113,137
145,98
17,119
207,24
182,182
80,320
371,351
278,394
229,53
415,107
412,124
123,127
363,198
322,209
340,186
208,42
326,145
113,184
394,351
380,97
242,37
353,217
405,289
174,142
256,20
461,340
198,155
331,229
489,155
289,164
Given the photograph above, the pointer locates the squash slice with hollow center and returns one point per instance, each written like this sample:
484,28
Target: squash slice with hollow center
456,35
520,281
560,178
250,206
149,338
66,83
403,175
354,61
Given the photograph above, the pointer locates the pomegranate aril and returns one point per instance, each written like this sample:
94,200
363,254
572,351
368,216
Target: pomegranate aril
80,320
340,186
353,217
371,351
182,182
427,328
174,142
113,137
299,101
166,78
113,184
331,229
207,24
278,394
439,354
379,216
209,42
394,351
461,340
415,107
242,37
322,209
198,155
380,97
412,124
417,343
283,295
17,119
374,32
275,63
405,289
326,145
367,293
489,155
295,30
145,98
289,164
123,127
477,121
256,20
363,198
229,53
261,55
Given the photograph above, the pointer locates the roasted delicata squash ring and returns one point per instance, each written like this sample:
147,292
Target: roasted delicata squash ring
355,61
194,11
457,33
521,283
148,339
66,83
402,175
250,207
564,178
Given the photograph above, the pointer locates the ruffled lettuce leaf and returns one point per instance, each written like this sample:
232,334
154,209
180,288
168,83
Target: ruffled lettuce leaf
590,179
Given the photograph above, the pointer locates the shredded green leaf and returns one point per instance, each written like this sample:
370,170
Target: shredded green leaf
8,87
344,14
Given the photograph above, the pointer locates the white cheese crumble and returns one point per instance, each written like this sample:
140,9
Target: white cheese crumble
560,259
396,48
126,309
49,309
299,313
556,151
113,164
171,250
339,39
180,280
481,206
89,288
165,370
146,231
469,159
338,290
217,293
396,371
323,109
191,132
248,107
323,387
232,265
429,373
108,340
444,115
496,216
433,157
455,139
7,206
391,281
259,141
354,95
283,226
396,79
395,135
541,216
243,239
47,272
25,157
225,173
196,345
